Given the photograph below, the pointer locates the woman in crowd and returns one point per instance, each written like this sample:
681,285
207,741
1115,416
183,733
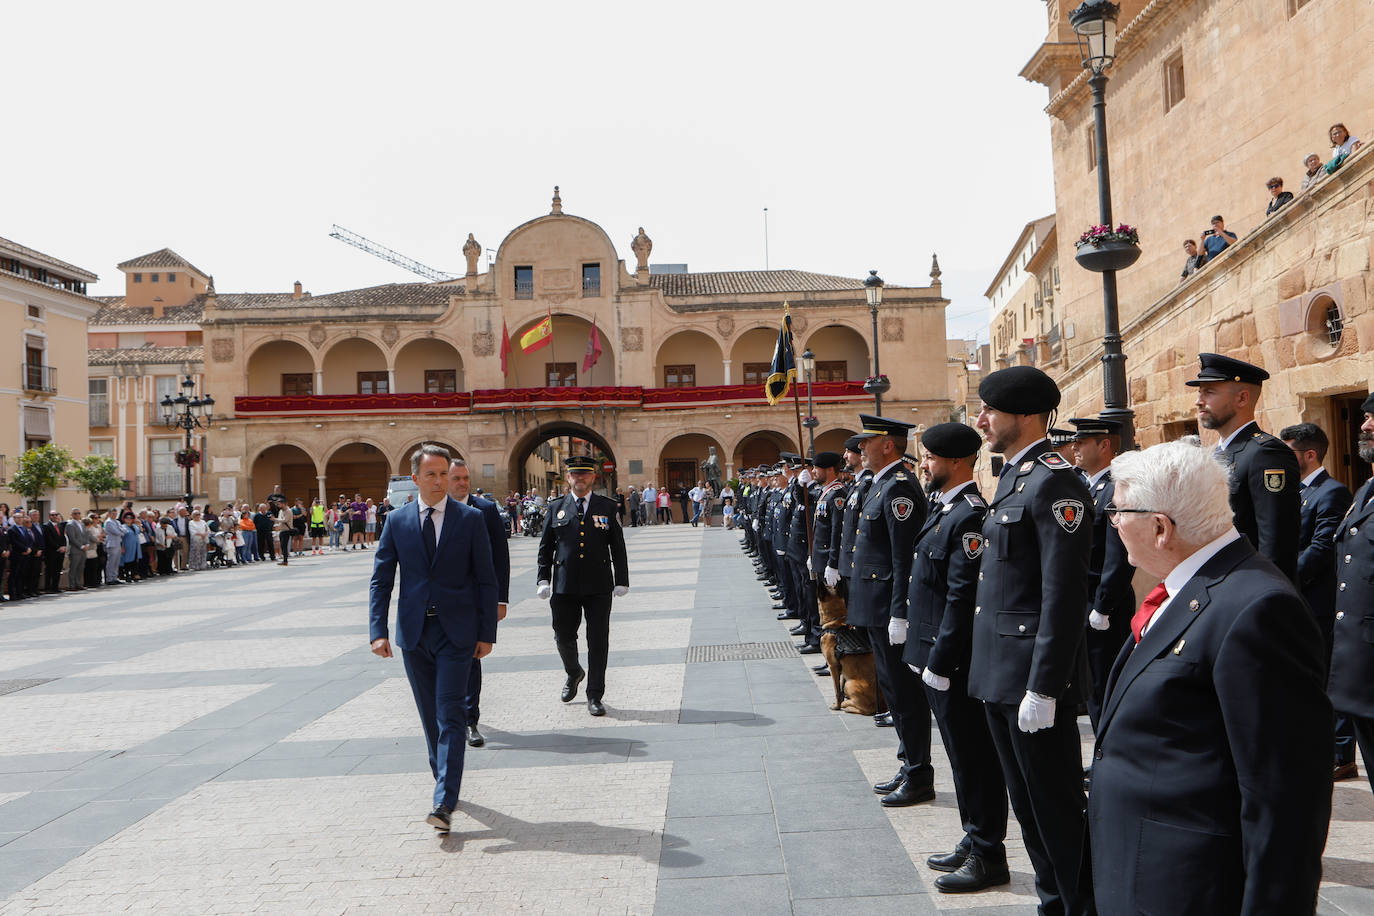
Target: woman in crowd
163,536
285,530
95,551
128,560
371,522
229,536
333,520
248,533
199,533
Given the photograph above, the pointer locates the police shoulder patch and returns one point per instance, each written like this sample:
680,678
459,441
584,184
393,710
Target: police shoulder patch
899,475
973,544
839,502
974,500
1274,479
901,508
1054,461
1068,513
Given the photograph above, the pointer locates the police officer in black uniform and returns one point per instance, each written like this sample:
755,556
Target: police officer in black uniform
582,564
1028,622
804,493
1351,683
783,505
890,516
828,516
1265,480
944,578
1111,600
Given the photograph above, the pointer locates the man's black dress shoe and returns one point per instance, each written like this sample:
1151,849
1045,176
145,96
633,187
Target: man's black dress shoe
883,720
595,708
908,794
892,785
475,738
779,607
809,650
788,615
440,818
570,687
819,668
950,861
798,630
973,875
822,670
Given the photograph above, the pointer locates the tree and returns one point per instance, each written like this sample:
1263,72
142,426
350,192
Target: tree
40,470
96,474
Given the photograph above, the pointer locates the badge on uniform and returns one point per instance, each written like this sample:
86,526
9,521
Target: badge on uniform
561,513
601,521
1068,513
973,545
839,502
1273,480
1054,461
901,508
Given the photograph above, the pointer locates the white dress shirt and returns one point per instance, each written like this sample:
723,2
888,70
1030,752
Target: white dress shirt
437,517
1179,576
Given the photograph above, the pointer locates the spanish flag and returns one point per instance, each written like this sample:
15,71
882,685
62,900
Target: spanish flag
541,335
783,371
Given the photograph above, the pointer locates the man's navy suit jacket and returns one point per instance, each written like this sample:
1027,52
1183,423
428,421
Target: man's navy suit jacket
500,548
459,584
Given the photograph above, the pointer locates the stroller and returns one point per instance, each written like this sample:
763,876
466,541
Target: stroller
219,551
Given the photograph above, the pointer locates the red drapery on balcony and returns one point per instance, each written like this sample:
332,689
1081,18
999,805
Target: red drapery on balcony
746,395
458,402
526,398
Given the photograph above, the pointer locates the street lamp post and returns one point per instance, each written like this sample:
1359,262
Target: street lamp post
808,361
187,412
1094,22
873,291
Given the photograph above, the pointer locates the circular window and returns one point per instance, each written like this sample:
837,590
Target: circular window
1325,325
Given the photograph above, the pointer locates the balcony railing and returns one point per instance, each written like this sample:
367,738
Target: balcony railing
591,287
99,410
524,289
36,377
169,483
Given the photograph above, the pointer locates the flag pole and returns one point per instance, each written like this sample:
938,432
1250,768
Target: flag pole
796,409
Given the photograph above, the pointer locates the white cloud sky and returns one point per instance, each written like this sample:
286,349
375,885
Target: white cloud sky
874,133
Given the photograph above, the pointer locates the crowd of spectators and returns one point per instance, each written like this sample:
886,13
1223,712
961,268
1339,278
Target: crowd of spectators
1218,238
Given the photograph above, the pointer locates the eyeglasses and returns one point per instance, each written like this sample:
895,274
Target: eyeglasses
1114,513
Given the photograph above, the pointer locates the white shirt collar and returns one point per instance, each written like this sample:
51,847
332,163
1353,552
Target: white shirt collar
438,510
878,476
1307,481
1094,478
947,496
1226,443
1016,459
1183,572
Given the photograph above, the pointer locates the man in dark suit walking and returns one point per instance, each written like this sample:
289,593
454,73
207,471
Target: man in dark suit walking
1264,473
1325,501
54,551
582,565
445,615
1211,788
459,488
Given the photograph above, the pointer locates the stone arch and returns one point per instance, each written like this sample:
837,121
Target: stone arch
752,346
270,359
403,459
571,328
694,347
524,465
840,342
510,252
832,440
760,446
357,466
419,360
679,462
348,356
286,463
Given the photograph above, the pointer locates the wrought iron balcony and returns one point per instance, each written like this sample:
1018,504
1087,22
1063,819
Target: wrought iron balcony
37,377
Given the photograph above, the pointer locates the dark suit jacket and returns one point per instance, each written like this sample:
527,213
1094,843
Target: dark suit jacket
500,547
1351,684
53,538
890,516
586,556
1211,787
1324,503
1032,603
1264,495
1109,571
944,580
460,583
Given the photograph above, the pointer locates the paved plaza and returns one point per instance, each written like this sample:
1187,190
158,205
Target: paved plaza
224,742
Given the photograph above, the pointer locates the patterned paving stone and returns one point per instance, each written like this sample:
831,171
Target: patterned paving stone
626,635
94,628
227,655
354,615
14,659
636,600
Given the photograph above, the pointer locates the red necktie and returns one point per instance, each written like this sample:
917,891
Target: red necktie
1147,609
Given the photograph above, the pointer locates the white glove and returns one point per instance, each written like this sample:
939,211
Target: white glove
914,669
1036,712
832,576
934,681
543,590
1098,622
896,631
805,477
620,591
756,524
808,565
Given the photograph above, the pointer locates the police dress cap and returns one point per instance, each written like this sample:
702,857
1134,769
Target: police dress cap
828,460
1091,427
952,440
882,426
1019,389
853,444
1218,368
581,463
792,459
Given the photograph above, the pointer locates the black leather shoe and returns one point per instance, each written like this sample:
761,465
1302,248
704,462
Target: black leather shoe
595,708
440,818
973,875
950,861
475,738
779,607
808,650
908,794
788,615
570,687
892,785
883,720
822,670
799,630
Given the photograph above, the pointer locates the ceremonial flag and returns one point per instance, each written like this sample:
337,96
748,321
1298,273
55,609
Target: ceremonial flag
505,346
541,335
783,371
593,350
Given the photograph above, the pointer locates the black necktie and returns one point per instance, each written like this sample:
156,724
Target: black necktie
427,533
581,507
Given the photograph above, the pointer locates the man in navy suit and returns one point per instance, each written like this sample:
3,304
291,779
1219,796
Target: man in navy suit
459,487
445,615
1211,789
1325,502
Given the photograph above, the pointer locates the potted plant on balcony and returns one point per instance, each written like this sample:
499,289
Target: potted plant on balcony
187,458
877,384
1103,248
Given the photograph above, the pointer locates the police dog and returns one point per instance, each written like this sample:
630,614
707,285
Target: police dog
848,654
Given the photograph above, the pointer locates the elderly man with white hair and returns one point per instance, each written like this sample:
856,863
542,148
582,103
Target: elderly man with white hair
1211,787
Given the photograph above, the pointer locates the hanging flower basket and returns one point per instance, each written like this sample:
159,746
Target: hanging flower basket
877,384
187,458
1102,248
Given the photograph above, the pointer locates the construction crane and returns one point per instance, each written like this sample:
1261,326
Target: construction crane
387,254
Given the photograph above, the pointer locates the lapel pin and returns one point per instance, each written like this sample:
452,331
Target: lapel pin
1193,605
1178,649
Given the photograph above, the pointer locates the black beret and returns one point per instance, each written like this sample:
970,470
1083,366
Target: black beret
952,440
1019,389
828,460
853,444
581,463
1218,368
1368,405
882,426
1092,427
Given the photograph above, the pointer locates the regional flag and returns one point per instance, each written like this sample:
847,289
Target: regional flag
541,335
783,371
593,350
505,346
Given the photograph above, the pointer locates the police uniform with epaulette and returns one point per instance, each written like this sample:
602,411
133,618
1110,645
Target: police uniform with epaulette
940,600
803,496
890,516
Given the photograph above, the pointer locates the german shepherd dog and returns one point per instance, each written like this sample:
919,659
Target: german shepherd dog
849,655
